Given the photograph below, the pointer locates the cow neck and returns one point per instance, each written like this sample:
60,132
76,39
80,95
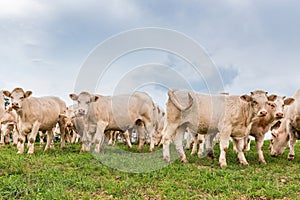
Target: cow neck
248,112
21,112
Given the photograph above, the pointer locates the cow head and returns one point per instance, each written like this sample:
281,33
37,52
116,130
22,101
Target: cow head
17,97
8,122
68,117
83,101
277,108
259,100
279,139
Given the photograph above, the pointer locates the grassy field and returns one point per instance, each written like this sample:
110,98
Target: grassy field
67,174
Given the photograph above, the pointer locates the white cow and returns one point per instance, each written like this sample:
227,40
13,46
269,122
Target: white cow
69,119
288,130
232,116
34,114
121,112
9,125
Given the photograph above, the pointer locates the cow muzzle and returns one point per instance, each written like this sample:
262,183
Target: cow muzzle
262,113
81,112
279,115
15,105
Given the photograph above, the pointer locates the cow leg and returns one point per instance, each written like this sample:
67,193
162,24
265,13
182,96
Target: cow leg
15,137
99,136
178,141
259,143
84,141
168,132
77,138
240,147
7,138
149,128
62,134
224,144
209,145
111,135
292,143
2,139
141,132
115,140
42,135
247,143
193,139
32,136
21,144
127,138
201,140
189,141
49,140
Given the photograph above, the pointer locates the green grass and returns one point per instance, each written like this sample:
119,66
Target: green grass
68,174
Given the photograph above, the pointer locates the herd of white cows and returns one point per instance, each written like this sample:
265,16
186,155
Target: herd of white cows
97,120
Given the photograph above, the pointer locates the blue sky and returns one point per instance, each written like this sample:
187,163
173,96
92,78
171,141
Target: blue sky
255,44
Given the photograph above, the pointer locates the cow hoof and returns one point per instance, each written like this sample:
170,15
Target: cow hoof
151,150
130,147
263,162
244,163
291,157
223,165
167,159
19,152
210,155
30,153
184,160
63,148
140,150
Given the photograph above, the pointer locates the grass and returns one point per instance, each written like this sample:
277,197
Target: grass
123,174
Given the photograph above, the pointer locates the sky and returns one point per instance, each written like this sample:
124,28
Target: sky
253,45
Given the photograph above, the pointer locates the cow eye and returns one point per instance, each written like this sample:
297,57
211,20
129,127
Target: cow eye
78,101
271,141
255,102
21,97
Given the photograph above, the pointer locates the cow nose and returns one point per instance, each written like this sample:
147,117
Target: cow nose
69,124
81,111
15,104
263,113
279,115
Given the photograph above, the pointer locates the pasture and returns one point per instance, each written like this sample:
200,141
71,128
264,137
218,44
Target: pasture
67,174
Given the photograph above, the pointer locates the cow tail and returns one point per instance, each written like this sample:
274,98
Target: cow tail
175,101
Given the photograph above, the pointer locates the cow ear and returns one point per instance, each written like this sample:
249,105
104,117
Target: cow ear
289,101
74,97
94,98
272,97
276,126
246,98
28,93
6,93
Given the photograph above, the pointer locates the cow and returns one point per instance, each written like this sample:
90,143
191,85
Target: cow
232,116
262,125
287,130
69,119
120,113
8,125
34,114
